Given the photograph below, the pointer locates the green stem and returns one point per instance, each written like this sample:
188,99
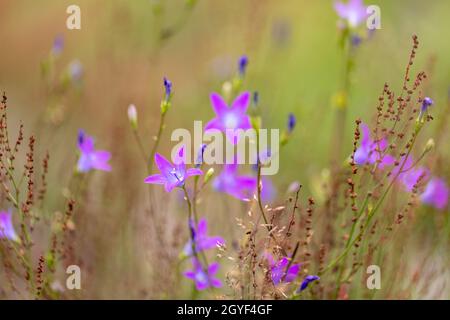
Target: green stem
158,138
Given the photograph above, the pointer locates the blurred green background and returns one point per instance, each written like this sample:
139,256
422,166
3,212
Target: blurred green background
295,62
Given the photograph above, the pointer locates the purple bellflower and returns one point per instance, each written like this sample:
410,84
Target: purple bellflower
89,157
268,190
6,226
354,12
367,152
75,71
167,89
200,153
426,103
409,175
255,98
228,181
204,279
278,270
291,122
229,119
201,239
58,45
243,62
307,281
172,175
436,193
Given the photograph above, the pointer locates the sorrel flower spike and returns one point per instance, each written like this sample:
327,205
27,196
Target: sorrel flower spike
354,12
172,175
204,279
201,239
89,157
232,118
6,226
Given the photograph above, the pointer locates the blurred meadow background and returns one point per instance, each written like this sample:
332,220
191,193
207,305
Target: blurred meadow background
121,54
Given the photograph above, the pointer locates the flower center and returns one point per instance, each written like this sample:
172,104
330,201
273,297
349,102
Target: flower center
231,121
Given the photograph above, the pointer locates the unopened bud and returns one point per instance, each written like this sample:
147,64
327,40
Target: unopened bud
429,145
132,115
208,175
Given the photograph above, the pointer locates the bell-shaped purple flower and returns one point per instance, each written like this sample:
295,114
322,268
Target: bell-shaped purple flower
89,157
243,62
58,45
426,103
201,239
6,226
409,176
229,119
167,88
229,181
204,279
75,71
291,122
307,281
172,175
436,193
354,12
369,151
279,271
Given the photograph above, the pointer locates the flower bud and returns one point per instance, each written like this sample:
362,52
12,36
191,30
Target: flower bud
132,116
429,145
227,90
208,175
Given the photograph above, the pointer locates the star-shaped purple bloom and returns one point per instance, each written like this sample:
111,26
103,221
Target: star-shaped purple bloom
307,281
172,175
278,270
229,181
354,12
6,226
89,157
201,239
229,119
436,193
369,150
204,278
